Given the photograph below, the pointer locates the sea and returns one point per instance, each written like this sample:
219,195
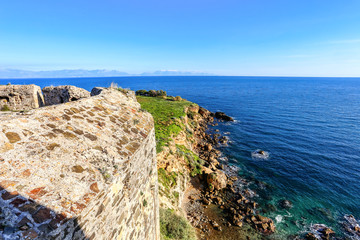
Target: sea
309,128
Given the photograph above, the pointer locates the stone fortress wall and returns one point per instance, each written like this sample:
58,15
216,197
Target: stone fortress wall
82,169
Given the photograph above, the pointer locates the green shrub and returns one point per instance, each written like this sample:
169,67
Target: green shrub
123,90
161,93
173,226
141,92
178,98
151,93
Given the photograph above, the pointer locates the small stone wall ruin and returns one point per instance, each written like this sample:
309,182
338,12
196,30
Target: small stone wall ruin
20,97
80,170
63,94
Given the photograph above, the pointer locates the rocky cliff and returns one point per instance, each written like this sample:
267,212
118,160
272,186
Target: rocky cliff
84,169
192,180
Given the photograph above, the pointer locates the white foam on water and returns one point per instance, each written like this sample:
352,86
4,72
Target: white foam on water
260,154
279,218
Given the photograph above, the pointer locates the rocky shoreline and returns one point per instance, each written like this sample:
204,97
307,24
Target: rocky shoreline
214,205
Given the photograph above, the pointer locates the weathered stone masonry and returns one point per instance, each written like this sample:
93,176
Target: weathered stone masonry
79,170
21,97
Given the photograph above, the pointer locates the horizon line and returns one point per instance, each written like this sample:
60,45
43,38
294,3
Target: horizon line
213,75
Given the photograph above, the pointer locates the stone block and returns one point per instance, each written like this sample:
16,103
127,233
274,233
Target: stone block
63,94
20,97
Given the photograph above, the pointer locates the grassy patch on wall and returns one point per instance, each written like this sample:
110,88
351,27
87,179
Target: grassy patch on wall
173,226
167,179
165,112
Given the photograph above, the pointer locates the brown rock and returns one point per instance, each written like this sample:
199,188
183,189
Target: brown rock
26,173
37,192
6,147
77,169
24,222
217,179
310,236
52,146
17,202
42,215
13,137
9,195
223,116
30,234
327,233
94,187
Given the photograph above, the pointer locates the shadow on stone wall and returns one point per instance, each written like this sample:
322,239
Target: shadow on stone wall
40,100
24,218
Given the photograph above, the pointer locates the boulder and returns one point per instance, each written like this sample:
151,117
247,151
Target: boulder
263,224
217,179
223,140
310,236
223,116
327,233
63,94
204,112
96,91
193,108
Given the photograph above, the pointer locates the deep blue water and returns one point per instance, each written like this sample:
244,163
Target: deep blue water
310,127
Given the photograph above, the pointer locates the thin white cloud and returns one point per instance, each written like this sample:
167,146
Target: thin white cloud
300,56
345,41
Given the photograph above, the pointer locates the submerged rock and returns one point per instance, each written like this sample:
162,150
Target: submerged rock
351,225
320,231
286,204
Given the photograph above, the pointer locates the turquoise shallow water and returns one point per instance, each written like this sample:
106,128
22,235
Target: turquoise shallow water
310,127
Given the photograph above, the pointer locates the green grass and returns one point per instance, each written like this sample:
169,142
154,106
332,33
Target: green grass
193,159
173,226
167,179
165,112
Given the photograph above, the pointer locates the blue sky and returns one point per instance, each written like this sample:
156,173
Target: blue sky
228,37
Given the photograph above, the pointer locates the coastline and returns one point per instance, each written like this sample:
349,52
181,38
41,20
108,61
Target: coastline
222,212
193,180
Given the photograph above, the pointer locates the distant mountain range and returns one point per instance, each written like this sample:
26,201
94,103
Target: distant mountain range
68,73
